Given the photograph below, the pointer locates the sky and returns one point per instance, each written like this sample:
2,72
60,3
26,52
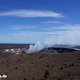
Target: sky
29,21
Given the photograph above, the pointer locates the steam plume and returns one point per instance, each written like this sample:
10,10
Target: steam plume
35,48
68,38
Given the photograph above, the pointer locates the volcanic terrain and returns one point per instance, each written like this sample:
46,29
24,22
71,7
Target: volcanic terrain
43,65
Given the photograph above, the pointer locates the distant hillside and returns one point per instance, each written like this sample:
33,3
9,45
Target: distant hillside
14,45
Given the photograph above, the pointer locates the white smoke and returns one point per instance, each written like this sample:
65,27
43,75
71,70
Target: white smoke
35,48
38,46
70,37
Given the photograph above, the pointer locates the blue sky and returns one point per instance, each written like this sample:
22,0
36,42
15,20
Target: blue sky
28,21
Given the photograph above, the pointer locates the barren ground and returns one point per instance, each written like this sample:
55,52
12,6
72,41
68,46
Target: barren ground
41,66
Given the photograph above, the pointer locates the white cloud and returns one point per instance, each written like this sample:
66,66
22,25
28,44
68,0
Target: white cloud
69,35
36,33
61,30
65,27
18,27
31,13
54,22
49,33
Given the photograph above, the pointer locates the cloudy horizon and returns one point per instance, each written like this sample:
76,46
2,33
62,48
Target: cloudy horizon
32,21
